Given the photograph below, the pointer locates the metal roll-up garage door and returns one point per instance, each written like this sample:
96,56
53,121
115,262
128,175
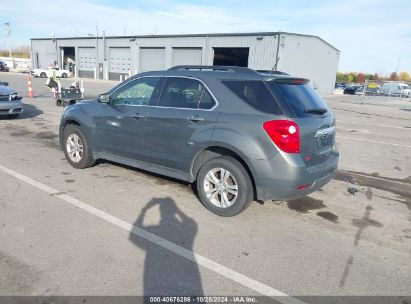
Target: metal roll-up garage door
187,56
152,59
120,62
87,61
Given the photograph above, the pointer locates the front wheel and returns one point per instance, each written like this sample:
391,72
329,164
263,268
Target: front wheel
64,75
43,75
76,147
224,186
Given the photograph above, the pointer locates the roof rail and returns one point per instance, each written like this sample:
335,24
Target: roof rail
271,72
214,68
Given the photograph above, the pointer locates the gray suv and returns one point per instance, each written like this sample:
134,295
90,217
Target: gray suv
237,133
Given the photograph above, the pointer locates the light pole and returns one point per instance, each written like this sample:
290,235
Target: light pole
7,33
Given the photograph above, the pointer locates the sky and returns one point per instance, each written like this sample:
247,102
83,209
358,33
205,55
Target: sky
373,36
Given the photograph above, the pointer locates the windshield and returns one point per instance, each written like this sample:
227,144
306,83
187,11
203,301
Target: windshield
302,98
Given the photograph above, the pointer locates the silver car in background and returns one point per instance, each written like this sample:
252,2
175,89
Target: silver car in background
10,102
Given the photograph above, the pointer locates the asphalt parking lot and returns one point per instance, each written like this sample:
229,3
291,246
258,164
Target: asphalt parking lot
113,230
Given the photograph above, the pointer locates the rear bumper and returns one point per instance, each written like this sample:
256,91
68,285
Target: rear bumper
279,179
11,107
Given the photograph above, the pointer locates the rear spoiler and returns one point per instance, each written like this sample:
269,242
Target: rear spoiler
291,80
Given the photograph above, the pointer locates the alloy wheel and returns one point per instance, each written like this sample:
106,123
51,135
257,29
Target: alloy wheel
221,187
74,148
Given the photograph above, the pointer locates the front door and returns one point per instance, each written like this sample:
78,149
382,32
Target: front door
181,125
120,129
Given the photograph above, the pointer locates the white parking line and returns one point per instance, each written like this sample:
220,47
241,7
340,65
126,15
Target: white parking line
189,255
374,125
374,141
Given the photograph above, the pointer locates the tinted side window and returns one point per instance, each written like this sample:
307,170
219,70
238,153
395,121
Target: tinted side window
254,93
300,97
138,92
185,93
206,101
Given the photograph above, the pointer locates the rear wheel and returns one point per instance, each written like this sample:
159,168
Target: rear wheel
224,186
64,75
76,147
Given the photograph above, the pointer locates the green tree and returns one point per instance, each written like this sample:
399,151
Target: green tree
340,77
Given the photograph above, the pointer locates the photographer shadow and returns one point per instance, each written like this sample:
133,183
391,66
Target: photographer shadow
167,273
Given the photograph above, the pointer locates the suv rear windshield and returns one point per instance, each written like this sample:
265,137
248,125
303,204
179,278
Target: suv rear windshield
302,98
256,94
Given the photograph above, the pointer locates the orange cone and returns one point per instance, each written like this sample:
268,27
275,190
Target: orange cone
30,87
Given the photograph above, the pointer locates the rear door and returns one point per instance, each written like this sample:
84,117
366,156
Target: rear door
313,116
181,125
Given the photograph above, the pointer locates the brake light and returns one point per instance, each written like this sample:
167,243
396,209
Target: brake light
299,81
284,134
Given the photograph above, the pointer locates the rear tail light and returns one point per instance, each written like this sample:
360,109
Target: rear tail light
284,134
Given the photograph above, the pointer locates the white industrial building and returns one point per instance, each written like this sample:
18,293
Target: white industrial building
119,57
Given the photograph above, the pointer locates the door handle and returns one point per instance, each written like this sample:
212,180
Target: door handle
195,118
137,116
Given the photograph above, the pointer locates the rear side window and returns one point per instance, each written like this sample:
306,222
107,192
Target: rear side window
256,94
185,93
301,97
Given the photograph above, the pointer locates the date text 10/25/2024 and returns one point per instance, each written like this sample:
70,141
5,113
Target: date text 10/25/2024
203,299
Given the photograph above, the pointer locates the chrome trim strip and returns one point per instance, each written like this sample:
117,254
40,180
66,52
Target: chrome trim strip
168,76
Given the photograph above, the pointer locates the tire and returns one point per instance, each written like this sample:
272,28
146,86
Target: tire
13,116
43,75
64,75
74,139
238,176
58,102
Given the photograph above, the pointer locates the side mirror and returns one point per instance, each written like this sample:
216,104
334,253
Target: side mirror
104,98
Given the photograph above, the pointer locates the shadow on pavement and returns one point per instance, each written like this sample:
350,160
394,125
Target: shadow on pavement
166,273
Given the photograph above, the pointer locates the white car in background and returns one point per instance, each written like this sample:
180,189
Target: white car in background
43,73
396,89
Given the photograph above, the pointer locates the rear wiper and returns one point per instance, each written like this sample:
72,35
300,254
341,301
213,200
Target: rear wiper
319,111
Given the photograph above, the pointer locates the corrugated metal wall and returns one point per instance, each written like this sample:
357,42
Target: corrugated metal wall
310,58
43,53
299,55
